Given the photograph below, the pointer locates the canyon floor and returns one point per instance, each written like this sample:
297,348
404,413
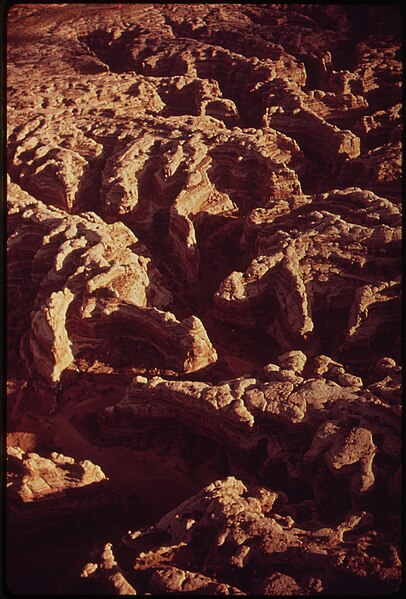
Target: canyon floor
203,299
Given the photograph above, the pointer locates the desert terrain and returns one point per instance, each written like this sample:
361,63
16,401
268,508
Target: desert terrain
203,299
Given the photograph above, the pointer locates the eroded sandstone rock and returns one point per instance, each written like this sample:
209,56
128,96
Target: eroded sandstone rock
55,165
379,170
33,478
316,418
87,275
250,540
335,251
42,491
160,154
188,171
311,119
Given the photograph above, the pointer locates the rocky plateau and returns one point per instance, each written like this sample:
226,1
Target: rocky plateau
204,230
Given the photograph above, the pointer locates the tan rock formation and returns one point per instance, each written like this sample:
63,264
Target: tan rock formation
327,418
381,126
56,166
187,171
250,540
194,190
42,491
379,170
175,580
323,255
310,119
87,275
34,478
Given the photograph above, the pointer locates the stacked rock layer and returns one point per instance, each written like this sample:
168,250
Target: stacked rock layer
203,267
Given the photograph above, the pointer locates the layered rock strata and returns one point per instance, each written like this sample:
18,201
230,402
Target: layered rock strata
55,165
184,172
311,119
336,251
379,170
302,422
231,539
43,491
85,277
191,176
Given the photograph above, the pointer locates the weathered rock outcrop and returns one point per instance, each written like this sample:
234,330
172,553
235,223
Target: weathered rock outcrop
379,170
43,491
88,277
336,251
55,165
311,119
193,191
316,419
380,127
378,68
182,172
231,539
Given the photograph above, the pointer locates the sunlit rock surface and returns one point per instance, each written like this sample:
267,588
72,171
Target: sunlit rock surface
249,540
88,274
337,252
42,491
313,418
203,298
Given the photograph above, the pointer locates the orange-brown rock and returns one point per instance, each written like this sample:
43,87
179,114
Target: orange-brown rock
56,165
310,417
185,171
336,251
87,276
42,491
311,119
379,170
382,126
195,190
234,539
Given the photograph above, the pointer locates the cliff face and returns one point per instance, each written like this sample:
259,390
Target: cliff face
203,269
